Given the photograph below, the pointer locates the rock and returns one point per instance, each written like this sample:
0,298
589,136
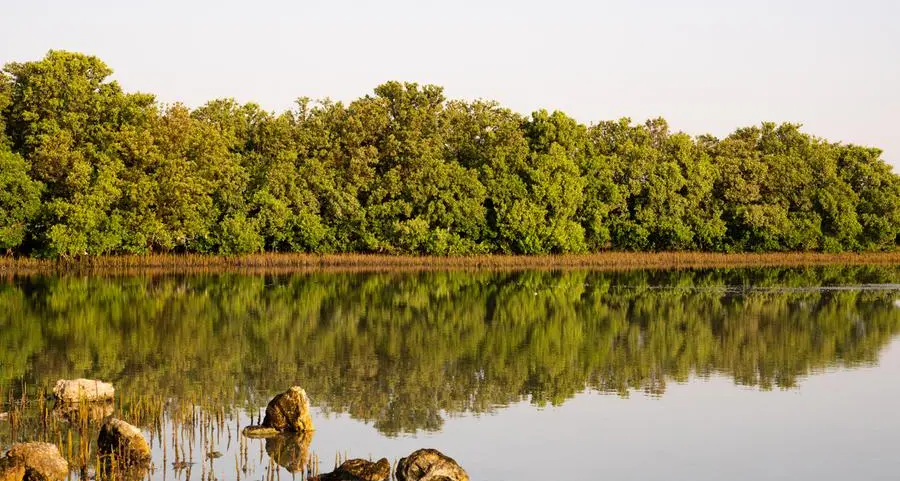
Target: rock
10,470
259,432
39,461
429,465
359,470
289,411
290,451
123,441
75,390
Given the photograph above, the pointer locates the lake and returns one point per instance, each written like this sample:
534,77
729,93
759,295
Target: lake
738,374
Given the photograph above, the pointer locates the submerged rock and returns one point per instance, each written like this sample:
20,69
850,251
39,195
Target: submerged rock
123,441
359,470
289,411
11,471
290,451
259,432
429,465
37,461
89,390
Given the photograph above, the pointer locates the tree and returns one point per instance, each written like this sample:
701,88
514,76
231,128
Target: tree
418,201
6,85
878,191
558,148
64,118
20,199
665,182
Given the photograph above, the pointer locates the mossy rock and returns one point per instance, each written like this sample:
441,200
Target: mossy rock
289,411
124,441
429,465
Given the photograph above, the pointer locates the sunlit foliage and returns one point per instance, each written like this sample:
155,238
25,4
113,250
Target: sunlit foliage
96,170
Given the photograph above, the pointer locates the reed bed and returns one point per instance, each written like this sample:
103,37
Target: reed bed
287,262
190,433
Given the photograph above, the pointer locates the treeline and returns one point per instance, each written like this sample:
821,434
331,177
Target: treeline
404,350
88,169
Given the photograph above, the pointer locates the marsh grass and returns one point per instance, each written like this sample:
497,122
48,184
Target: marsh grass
283,262
186,431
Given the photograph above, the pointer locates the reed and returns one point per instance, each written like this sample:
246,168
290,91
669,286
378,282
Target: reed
279,262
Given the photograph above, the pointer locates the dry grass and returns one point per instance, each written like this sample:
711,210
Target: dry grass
263,263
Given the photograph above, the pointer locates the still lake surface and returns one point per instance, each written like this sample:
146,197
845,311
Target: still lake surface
738,374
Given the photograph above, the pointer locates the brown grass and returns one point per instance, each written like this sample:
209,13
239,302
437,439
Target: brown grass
263,263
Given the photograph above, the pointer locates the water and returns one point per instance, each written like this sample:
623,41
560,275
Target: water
709,374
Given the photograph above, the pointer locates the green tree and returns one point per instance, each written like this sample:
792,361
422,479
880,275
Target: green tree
666,186
878,191
6,85
20,199
418,201
64,117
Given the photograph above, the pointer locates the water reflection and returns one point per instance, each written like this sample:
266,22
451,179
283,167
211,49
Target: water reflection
403,350
290,451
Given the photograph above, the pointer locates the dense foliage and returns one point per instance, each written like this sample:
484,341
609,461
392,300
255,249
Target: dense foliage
88,169
404,349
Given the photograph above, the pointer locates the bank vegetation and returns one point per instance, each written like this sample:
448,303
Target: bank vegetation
88,169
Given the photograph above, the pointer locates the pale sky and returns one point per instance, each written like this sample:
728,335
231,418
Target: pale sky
706,66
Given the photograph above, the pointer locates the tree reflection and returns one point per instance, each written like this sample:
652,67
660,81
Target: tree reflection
402,350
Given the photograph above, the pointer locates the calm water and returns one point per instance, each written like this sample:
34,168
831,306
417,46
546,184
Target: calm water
714,374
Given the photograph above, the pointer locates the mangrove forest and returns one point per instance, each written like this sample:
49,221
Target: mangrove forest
88,169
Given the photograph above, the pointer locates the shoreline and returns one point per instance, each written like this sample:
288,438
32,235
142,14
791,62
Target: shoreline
292,262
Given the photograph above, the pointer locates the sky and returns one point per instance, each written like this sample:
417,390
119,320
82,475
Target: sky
705,66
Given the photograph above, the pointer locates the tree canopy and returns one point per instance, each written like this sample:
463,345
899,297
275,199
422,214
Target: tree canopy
89,169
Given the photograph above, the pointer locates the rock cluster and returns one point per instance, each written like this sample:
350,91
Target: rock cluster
287,426
289,412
